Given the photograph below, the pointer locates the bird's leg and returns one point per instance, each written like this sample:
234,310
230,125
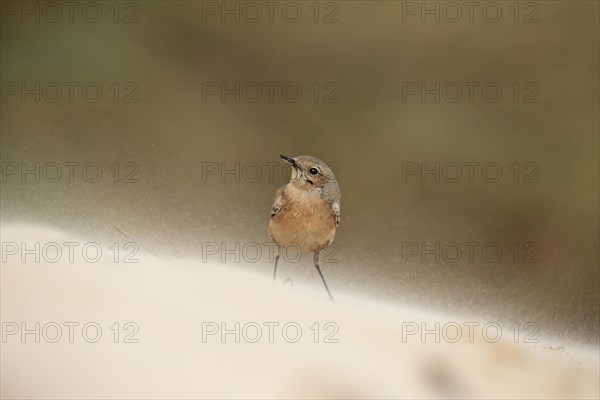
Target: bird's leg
321,274
276,260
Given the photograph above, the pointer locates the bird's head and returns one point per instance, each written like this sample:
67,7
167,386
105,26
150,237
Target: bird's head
311,174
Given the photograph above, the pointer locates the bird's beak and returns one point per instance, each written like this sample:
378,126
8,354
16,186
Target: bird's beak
290,160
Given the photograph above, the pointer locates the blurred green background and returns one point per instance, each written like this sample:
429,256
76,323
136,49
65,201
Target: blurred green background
171,134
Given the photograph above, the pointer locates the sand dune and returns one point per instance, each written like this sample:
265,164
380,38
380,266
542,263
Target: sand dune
173,346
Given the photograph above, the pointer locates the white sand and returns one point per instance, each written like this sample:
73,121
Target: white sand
171,299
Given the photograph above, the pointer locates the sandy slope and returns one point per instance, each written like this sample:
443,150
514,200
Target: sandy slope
174,301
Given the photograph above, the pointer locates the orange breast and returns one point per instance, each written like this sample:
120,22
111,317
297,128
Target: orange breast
303,221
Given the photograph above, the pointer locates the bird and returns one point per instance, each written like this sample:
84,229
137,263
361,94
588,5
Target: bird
306,211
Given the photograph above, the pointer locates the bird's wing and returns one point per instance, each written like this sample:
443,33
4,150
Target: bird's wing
277,202
335,208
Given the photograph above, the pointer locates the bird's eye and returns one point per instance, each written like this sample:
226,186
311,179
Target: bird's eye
313,171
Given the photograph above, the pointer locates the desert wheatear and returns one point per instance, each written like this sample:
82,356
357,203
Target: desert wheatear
306,211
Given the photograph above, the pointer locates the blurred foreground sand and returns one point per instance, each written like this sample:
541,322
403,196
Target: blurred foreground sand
171,299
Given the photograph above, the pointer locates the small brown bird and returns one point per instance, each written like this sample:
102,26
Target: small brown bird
306,211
